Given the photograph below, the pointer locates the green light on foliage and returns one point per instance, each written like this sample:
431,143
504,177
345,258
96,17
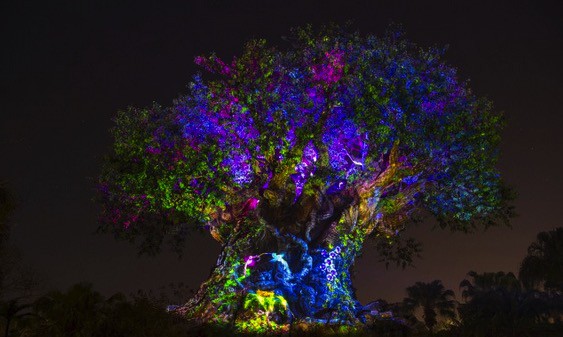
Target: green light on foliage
264,306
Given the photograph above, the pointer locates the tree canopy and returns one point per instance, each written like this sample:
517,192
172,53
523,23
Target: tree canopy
377,122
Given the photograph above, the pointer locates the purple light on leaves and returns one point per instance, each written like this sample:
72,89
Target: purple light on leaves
331,71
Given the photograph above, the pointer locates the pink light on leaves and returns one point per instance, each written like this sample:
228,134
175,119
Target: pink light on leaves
331,71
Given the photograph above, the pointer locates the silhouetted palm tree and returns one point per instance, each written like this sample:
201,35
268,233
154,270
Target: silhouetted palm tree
12,310
496,305
543,266
433,299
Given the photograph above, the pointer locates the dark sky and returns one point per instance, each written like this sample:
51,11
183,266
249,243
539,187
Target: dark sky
66,67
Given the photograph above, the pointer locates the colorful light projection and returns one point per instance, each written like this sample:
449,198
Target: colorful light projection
328,265
299,155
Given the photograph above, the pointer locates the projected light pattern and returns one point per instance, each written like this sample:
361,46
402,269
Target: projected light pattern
299,155
328,265
356,115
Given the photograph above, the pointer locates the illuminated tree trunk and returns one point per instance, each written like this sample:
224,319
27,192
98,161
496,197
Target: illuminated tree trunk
267,277
290,258
289,281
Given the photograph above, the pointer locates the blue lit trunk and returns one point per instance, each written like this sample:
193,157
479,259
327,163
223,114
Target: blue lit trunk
270,278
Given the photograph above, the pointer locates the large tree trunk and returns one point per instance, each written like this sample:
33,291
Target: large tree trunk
289,260
278,278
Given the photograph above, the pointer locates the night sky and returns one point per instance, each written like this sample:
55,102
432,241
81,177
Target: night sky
66,68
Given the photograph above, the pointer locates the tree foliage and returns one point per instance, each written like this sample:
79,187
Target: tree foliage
381,127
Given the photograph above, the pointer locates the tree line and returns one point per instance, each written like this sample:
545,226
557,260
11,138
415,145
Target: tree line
492,304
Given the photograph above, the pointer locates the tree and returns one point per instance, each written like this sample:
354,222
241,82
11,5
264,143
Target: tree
541,268
487,282
497,305
18,282
77,312
82,311
292,158
12,311
434,301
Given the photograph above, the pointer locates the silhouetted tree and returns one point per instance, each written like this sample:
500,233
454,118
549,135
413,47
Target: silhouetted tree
543,266
77,312
486,282
82,311
433,300
18,283
497,305
292,158
13,310
140,315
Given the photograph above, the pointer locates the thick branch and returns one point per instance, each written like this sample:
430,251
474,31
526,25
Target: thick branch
383,187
